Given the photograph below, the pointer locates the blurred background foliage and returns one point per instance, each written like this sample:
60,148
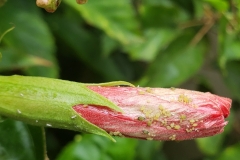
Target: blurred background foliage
192,44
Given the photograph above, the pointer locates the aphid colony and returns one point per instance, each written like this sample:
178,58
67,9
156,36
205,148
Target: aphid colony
162,115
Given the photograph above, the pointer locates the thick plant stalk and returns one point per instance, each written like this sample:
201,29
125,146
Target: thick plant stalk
158,113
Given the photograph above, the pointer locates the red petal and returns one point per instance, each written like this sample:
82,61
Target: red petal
161,114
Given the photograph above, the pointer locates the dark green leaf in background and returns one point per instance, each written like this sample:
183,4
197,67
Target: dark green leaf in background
230,153
116,18
91,147
149,150
220,5
85,44
18,143
172,67
229,50
30,39
152,17
232,78
154,41
2,2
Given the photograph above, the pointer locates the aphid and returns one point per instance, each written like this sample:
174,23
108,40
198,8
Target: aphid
182,117
140,118
145,132
191,120
149,138
149,90
19,111
173,137
141,92
85,105
184,99
74,116
168,127
49,125
172,125
117,133
194,124
149,123
177,127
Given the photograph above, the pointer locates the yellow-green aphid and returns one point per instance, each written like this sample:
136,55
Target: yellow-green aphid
149,138
146,132
140,118
184,99
173,137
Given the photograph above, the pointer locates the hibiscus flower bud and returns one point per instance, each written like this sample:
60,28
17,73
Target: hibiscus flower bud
158,113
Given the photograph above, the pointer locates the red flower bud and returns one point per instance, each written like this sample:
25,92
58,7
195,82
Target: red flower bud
158,113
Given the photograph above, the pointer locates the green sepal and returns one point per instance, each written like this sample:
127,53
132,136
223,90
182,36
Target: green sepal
109,84
48,102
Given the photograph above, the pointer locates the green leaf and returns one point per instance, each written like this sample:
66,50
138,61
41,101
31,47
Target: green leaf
210,145
48,102
187,5
13,61
229,50
220,5
116,18
89,147
39,141
230,153
31,37
232,77
153,14
176,64
108,45
155,40
16,142
70,30
149,150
